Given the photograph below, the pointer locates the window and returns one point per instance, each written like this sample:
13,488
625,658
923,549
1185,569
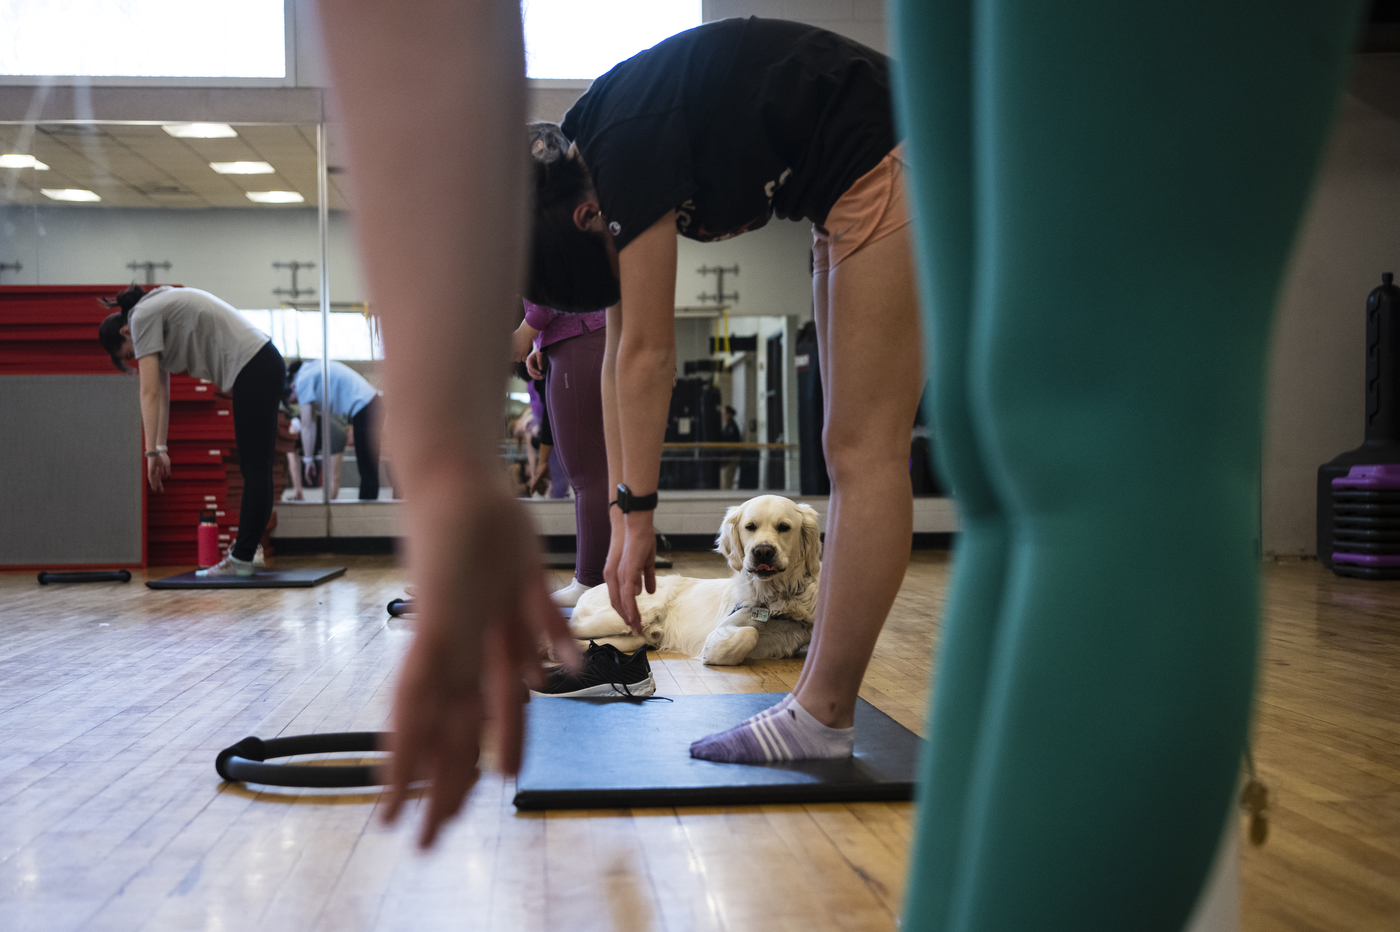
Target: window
143,38
298,333
573,39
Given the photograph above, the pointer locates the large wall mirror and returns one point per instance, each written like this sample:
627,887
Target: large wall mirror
254,213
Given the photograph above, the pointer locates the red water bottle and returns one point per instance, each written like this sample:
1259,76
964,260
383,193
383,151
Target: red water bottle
208,538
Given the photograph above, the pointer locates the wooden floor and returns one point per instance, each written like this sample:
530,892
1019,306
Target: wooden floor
115,699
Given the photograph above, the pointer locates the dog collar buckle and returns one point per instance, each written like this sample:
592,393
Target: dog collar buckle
759,614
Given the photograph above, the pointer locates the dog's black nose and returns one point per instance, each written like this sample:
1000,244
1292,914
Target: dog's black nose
764,553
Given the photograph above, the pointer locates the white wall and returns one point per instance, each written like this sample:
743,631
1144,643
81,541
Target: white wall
862,20
1316,386
773,279
228,252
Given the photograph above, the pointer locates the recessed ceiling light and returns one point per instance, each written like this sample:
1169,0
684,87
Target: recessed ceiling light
71,194
199,130
275,197
14,160
242,168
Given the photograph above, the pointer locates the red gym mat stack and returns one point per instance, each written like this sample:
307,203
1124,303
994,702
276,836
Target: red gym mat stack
201,453
204,475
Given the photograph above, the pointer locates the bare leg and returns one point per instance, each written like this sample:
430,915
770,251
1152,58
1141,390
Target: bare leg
294,470
332,481
868,329
821,310
873,371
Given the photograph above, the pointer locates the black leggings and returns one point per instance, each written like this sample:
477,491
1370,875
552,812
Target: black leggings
366,424
256,394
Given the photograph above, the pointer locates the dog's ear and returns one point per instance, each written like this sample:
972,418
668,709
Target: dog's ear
811,540
727,542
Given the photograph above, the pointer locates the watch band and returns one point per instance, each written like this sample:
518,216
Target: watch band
628,502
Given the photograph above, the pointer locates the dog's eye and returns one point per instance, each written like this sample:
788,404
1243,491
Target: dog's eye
784,528
751,526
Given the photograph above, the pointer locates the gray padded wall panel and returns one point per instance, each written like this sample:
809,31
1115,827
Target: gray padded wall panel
70,469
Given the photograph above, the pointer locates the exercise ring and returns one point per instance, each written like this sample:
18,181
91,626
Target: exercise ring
243,762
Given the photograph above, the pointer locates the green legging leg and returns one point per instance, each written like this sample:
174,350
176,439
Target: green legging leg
1105,197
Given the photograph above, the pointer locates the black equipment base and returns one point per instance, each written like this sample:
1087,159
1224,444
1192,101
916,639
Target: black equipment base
244,760
628,753
400,607
303,578
85,576
1356,571
567,561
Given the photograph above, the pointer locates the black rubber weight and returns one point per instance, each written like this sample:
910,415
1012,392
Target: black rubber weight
1366,572
244,761
400,607
86,576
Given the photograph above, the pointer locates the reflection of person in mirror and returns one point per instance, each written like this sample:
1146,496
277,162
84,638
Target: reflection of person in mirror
729,432
566,350
310,472
187,330
352,398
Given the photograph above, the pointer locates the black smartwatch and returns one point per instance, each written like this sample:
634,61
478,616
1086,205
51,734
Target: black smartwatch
628,502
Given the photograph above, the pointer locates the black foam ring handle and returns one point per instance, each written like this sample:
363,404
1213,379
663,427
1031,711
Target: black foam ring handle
86,576
244,761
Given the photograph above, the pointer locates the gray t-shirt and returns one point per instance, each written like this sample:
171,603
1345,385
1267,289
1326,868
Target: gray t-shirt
194,332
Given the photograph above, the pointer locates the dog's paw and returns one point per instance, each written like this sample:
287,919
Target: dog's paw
728,646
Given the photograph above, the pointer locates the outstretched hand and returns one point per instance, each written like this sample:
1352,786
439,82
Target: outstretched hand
483,613
631,565
534,364
157,471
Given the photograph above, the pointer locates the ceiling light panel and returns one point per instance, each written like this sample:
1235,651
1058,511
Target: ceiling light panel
70,194
242,168
15,160
275,197
199,130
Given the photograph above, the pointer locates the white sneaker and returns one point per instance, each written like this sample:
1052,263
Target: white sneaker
568,596
259,561
228,566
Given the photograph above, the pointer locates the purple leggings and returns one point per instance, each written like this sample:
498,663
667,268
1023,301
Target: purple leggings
574,393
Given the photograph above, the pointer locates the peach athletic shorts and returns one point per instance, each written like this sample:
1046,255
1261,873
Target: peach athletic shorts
871,209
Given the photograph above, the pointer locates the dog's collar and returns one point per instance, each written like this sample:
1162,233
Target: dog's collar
760,613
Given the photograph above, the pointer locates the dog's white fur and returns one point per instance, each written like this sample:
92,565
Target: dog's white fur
698,617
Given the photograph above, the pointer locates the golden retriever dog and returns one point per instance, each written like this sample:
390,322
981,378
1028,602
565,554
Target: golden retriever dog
763,611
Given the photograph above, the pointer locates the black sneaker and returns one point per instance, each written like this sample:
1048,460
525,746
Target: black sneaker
606,671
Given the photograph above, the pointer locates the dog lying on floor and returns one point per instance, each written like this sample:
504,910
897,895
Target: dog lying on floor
764,610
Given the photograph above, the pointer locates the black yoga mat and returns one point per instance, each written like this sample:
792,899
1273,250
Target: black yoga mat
85,576
303,578
567,561
627,753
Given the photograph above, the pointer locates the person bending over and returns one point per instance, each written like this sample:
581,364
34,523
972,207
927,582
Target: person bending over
353,398
573,346
708,135
187,330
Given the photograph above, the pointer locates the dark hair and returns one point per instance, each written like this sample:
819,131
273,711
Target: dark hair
109,332
569,268
293,365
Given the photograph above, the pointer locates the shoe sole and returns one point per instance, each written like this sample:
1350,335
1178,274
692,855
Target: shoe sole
640,690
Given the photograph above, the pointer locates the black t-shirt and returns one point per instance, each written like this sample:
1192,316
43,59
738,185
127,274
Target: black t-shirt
730,123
